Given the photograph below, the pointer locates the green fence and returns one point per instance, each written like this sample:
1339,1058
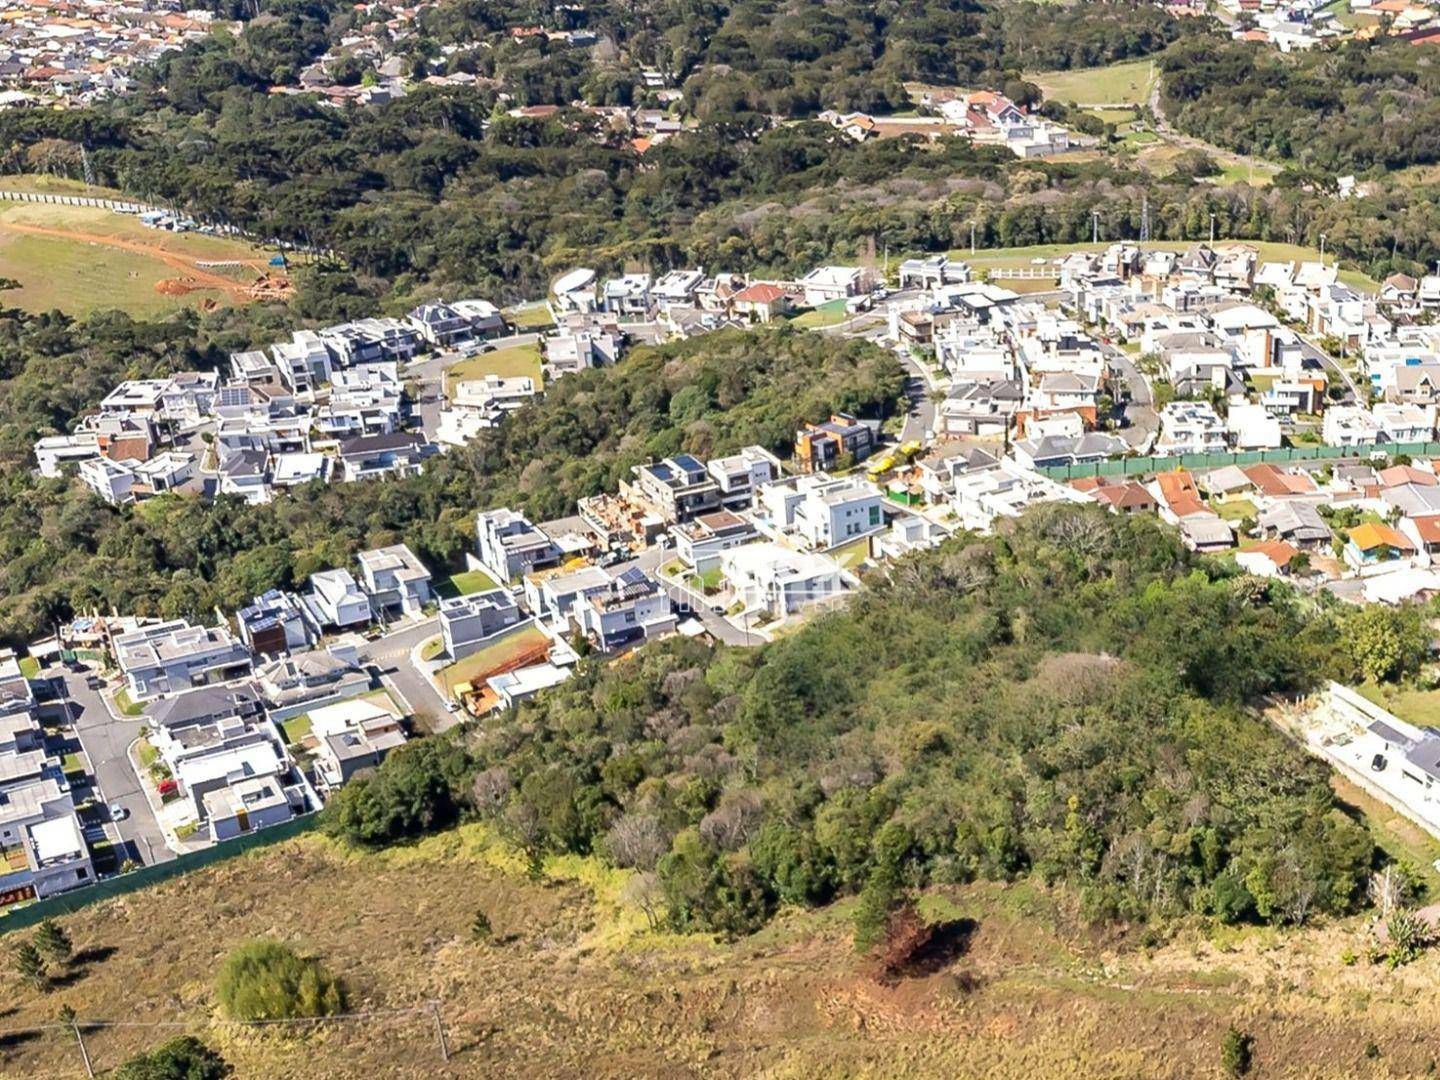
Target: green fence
20,917
1138,466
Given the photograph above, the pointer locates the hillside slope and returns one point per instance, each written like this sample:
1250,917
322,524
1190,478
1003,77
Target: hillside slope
581,989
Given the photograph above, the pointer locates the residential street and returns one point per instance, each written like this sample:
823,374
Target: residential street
1141,419
106,740
391,655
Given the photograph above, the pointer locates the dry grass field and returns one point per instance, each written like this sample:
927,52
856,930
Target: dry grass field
579,987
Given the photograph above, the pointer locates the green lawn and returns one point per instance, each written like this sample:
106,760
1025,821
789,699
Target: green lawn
1235,509
296,728
1419,707
124,703
852,554
493,657
507,363
828,314
530,317
71,764
464,583
29,667
1114,116
1118,84
432,648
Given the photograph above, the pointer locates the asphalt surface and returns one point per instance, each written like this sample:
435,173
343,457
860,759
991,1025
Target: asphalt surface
390,655
1141,419
106,741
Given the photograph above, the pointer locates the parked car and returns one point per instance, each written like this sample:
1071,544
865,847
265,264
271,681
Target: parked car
118,812
1377,763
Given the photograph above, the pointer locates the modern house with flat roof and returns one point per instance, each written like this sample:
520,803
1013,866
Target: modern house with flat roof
509,546
467,622
175,656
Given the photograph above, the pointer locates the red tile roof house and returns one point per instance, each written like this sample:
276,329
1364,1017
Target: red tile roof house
761,301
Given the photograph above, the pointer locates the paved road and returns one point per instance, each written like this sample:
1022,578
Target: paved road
106,741
920,419
1323,360
1141,419
391,655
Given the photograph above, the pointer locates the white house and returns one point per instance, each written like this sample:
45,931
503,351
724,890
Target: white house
394,577
338,600
776,580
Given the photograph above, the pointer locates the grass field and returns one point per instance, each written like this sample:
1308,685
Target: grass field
1118,84
1420,707
79,259
574,984
507,363
530,317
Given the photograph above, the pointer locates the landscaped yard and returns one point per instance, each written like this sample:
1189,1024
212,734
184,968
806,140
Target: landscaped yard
506,363
527,639
296,728
1118,84
72,764
831,314
124,703
464,583
29,667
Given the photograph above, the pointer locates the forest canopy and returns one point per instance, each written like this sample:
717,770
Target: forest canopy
1067,700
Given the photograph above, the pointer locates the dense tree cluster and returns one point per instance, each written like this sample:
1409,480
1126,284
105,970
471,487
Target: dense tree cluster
64,551
1064,700
443,189
1368,105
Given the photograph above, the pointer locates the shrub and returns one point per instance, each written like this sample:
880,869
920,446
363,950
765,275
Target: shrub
181,1058
266,980
1237,1051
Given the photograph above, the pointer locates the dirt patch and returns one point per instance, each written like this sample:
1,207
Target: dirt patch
192,277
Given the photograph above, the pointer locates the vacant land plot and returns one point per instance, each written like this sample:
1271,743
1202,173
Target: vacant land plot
79,259
506,363
1118,84
574,984
527,643
530,317
829,314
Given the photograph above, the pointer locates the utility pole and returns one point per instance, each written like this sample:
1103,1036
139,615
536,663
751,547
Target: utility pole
1212,228
74,1023
1322,249
972,238
439,1032
1145,219
1094,226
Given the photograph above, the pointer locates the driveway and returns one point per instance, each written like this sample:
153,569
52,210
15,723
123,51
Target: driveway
106,740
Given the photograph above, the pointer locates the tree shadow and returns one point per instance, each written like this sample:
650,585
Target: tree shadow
948,942
13,1039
